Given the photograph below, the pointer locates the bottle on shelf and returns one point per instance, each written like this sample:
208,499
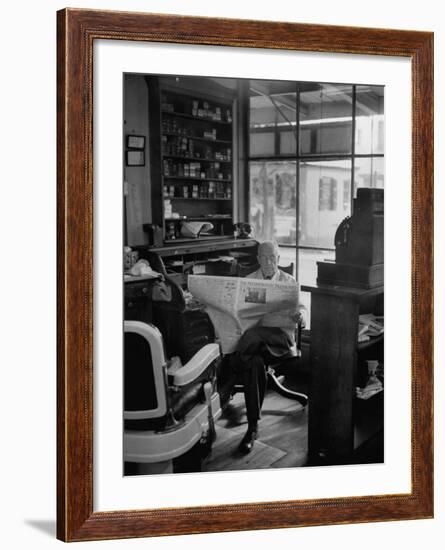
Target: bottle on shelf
171,231
210,134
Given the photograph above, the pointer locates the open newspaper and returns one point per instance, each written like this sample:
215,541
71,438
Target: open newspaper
235,304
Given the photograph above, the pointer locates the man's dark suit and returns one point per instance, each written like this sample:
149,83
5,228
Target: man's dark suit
254,349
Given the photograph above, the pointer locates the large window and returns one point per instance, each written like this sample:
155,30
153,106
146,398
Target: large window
311,145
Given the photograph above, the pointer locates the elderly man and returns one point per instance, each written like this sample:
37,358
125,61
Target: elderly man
260,342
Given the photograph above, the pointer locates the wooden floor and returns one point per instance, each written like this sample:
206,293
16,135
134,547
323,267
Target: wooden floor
282,439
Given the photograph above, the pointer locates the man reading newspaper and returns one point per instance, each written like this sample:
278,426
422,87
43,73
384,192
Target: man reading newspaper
259,342
254,318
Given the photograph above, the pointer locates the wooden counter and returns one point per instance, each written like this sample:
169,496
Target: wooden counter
334,352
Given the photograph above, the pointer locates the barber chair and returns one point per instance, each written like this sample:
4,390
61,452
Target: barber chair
169,408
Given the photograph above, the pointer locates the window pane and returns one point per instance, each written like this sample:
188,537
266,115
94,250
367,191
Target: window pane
273,200
307,264
325,200
272,118
369,172
307,274
369,125
288,142
262,144
326,119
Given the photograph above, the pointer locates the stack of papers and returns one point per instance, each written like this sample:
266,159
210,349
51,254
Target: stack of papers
369,327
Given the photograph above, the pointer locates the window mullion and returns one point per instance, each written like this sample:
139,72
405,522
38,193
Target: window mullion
354,100
297,181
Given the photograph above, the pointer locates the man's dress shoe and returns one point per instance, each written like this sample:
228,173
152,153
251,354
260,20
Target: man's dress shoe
248,441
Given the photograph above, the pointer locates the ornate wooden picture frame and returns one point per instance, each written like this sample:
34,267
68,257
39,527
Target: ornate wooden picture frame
77,31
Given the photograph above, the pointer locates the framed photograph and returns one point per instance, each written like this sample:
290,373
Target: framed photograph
135,142
135,158
308,133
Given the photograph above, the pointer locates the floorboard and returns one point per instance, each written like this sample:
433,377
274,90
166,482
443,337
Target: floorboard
282,439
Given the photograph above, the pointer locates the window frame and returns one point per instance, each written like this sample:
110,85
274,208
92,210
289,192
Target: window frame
301,158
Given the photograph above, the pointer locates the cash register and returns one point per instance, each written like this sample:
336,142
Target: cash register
358,245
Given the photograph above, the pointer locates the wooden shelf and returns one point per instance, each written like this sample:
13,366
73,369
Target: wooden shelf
197,239
343,291
195,159
364,345
199,138
193,117
203,218
226,242
197,199
188,178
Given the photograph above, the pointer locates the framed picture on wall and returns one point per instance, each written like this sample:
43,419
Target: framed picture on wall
244,126
135,158
135,142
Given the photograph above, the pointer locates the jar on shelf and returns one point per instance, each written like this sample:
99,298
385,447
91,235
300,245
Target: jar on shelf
171,233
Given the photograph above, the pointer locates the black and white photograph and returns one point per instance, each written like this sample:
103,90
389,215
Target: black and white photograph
255,180
182,156
255,296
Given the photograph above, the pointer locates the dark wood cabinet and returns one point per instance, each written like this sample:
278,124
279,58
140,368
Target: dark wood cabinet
335,361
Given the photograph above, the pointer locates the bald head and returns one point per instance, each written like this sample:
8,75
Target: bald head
268,256
268,247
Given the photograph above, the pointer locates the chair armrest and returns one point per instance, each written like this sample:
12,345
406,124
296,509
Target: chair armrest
197,365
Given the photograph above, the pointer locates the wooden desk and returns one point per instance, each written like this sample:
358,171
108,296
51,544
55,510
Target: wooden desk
202,245
333,355
179,259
